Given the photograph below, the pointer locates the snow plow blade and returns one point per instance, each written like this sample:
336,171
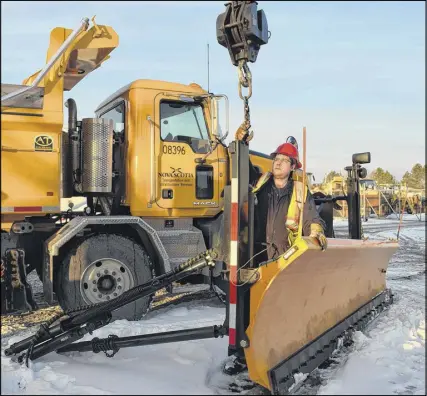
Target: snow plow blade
306,299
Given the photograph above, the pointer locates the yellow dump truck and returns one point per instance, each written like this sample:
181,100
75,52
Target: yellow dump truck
152,161
165,200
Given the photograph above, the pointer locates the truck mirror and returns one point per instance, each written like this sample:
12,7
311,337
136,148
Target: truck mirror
362,158
216,110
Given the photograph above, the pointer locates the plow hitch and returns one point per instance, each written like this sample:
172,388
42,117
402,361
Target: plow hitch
114,343
76,323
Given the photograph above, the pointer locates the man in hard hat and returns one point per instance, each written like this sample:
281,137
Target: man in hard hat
278,206
279,202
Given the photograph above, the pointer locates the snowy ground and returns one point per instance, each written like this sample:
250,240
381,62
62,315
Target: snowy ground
387,358
407,220
176,368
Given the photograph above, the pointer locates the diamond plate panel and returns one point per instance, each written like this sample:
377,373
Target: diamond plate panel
97,154
77,224
182,243
179,224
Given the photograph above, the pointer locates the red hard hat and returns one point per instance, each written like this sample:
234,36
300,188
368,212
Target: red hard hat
290,151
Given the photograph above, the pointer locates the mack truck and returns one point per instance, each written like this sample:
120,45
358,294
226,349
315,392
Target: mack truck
168,201
152,162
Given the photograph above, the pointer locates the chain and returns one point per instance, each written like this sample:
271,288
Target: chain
3,270
245,80
15,271
245,77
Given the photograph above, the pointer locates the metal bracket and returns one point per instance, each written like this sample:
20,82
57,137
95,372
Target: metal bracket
242,29
16,293
248,275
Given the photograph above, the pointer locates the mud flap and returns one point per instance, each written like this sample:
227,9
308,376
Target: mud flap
306,292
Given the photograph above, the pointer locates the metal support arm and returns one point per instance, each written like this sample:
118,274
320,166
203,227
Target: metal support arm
114,343
75,327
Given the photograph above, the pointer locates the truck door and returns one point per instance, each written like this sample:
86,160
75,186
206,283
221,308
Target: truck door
183,137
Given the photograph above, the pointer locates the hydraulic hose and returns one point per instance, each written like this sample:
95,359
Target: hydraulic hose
72,115
92,312
180,272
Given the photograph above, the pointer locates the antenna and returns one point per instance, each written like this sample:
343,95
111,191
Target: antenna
304,168
208,67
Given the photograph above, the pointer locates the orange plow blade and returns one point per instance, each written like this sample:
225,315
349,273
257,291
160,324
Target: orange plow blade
305,293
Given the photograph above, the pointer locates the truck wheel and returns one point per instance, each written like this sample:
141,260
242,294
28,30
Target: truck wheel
102,268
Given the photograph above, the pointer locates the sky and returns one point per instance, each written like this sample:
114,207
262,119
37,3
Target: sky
352,73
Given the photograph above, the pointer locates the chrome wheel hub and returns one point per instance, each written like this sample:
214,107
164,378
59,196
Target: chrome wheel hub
104,280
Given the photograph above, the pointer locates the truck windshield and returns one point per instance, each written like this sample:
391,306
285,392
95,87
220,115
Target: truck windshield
185,123
368,184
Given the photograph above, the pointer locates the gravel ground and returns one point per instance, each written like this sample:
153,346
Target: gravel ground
11,324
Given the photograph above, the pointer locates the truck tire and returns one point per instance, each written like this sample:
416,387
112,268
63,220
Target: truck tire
101,268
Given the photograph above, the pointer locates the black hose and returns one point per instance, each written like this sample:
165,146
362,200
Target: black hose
72,115
74,141
96,310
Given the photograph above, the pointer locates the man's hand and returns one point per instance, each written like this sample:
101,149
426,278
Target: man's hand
317,232
241,134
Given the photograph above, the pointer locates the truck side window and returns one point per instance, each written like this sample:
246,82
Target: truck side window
117,114
184,122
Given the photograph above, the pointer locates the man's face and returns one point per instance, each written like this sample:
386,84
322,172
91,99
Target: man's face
282,166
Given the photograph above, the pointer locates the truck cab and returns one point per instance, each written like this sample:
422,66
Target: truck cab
174,162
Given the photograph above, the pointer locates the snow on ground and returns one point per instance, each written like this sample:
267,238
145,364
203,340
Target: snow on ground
387,358
175,368
407,217
415,234
390,219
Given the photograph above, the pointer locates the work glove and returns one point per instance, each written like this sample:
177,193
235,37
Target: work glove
241,133
319,235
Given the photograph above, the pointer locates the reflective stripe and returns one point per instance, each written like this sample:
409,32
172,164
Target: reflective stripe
232,336
234,256
23,209
234,245
234,190
20,209
234,232
232,323
295,206
51,209
261,181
